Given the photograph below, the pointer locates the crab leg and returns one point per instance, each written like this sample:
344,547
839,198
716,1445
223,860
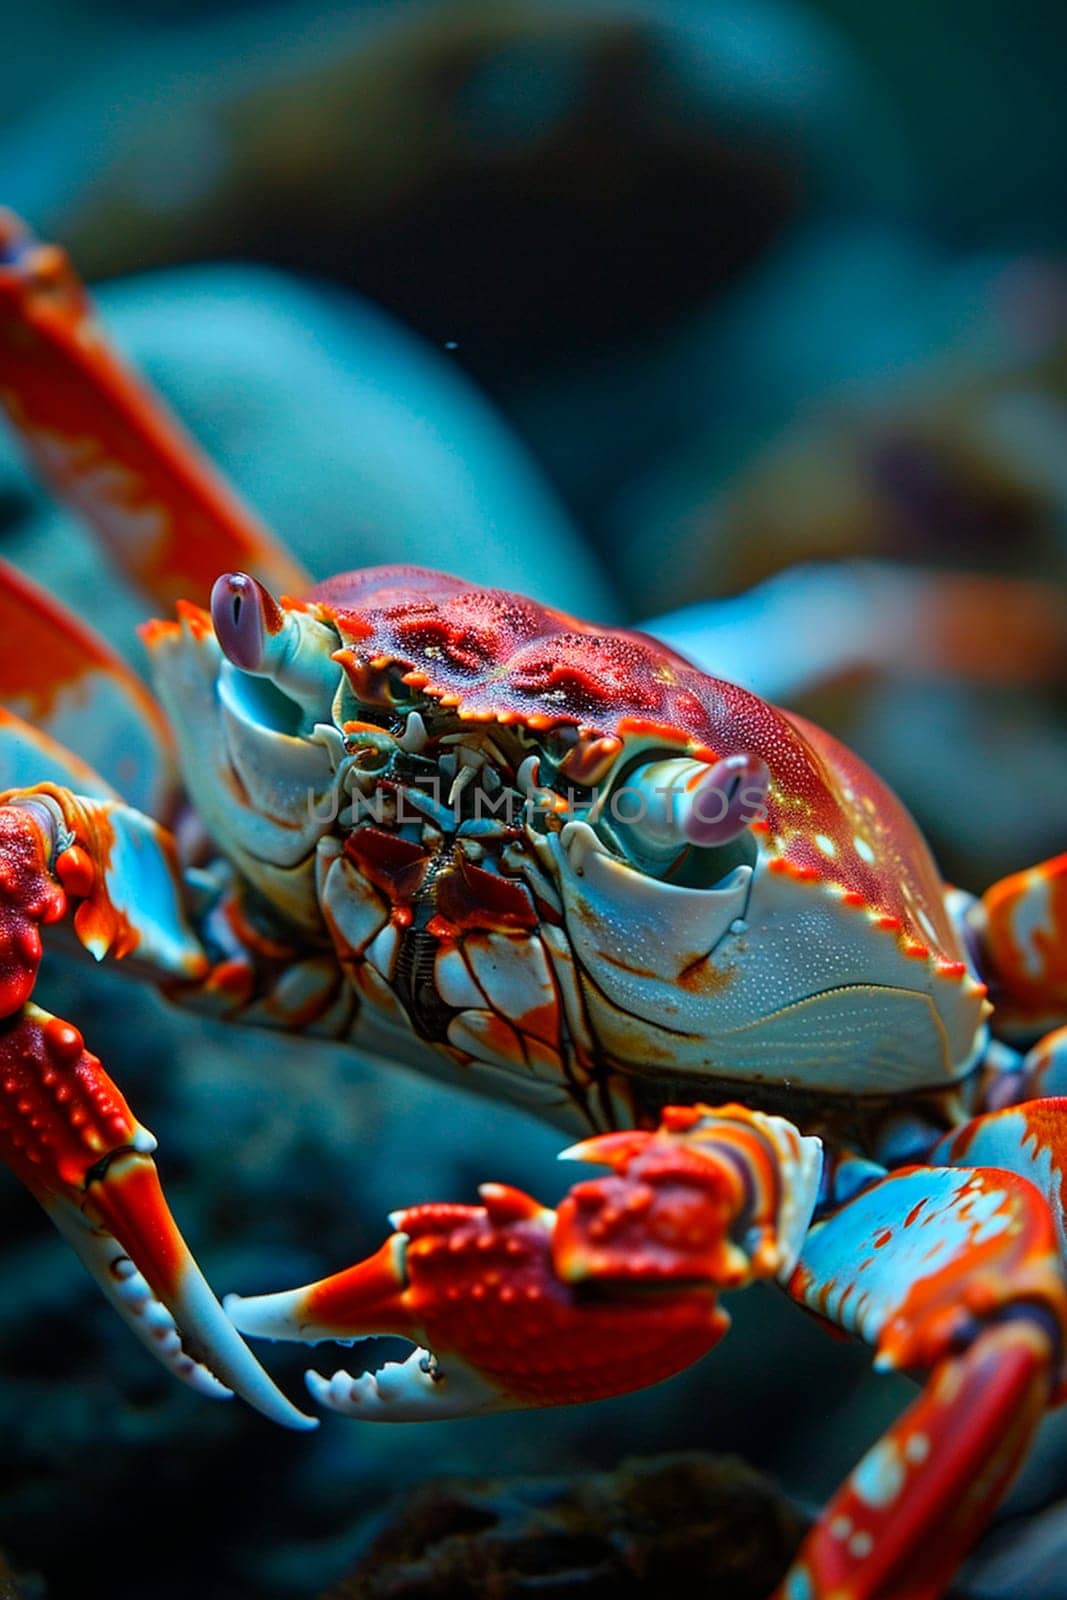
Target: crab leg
63,686
513,1304
954,1272
65,1129
103,442
1021,928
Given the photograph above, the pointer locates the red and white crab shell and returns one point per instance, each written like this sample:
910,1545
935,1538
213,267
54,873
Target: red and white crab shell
525,903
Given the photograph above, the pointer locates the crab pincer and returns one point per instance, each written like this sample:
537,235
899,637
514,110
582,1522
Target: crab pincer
512,1304
67,1132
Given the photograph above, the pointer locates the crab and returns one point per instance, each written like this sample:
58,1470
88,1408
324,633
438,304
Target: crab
454,828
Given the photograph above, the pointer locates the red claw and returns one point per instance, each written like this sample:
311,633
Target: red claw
514,1305
68,1133
664,1218
497,1328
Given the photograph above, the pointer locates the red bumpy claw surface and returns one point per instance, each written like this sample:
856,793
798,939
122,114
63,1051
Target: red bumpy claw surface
513,1304
29,896
67,1132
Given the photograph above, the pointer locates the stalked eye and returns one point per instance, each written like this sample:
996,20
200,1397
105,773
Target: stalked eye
244,613
681,802
287,645
685,819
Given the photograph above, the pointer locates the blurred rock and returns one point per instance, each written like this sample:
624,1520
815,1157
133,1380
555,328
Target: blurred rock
554,189
952,457
533,180
1024,1559
12,1588
684,1523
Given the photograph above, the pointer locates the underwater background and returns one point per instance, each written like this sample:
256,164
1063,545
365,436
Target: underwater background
624,305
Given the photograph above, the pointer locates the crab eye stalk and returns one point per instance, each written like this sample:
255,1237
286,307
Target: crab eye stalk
244,614
268,640
717,804
664,808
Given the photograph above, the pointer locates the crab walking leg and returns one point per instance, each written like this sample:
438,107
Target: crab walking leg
28,756
65,1129
102,441
513,1304
955,1272
1028,1139
816,624
1020,925
70,687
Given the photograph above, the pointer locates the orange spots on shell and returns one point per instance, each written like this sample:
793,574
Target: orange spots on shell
702,976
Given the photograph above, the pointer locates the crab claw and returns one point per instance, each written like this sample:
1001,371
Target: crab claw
722,1194
511,1304
67,1132
496,1327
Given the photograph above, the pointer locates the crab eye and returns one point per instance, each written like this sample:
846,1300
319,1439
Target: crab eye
698,803
678,810
244,613
288,646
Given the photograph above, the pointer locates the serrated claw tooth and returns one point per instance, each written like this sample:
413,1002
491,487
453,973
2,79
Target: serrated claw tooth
417,1389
